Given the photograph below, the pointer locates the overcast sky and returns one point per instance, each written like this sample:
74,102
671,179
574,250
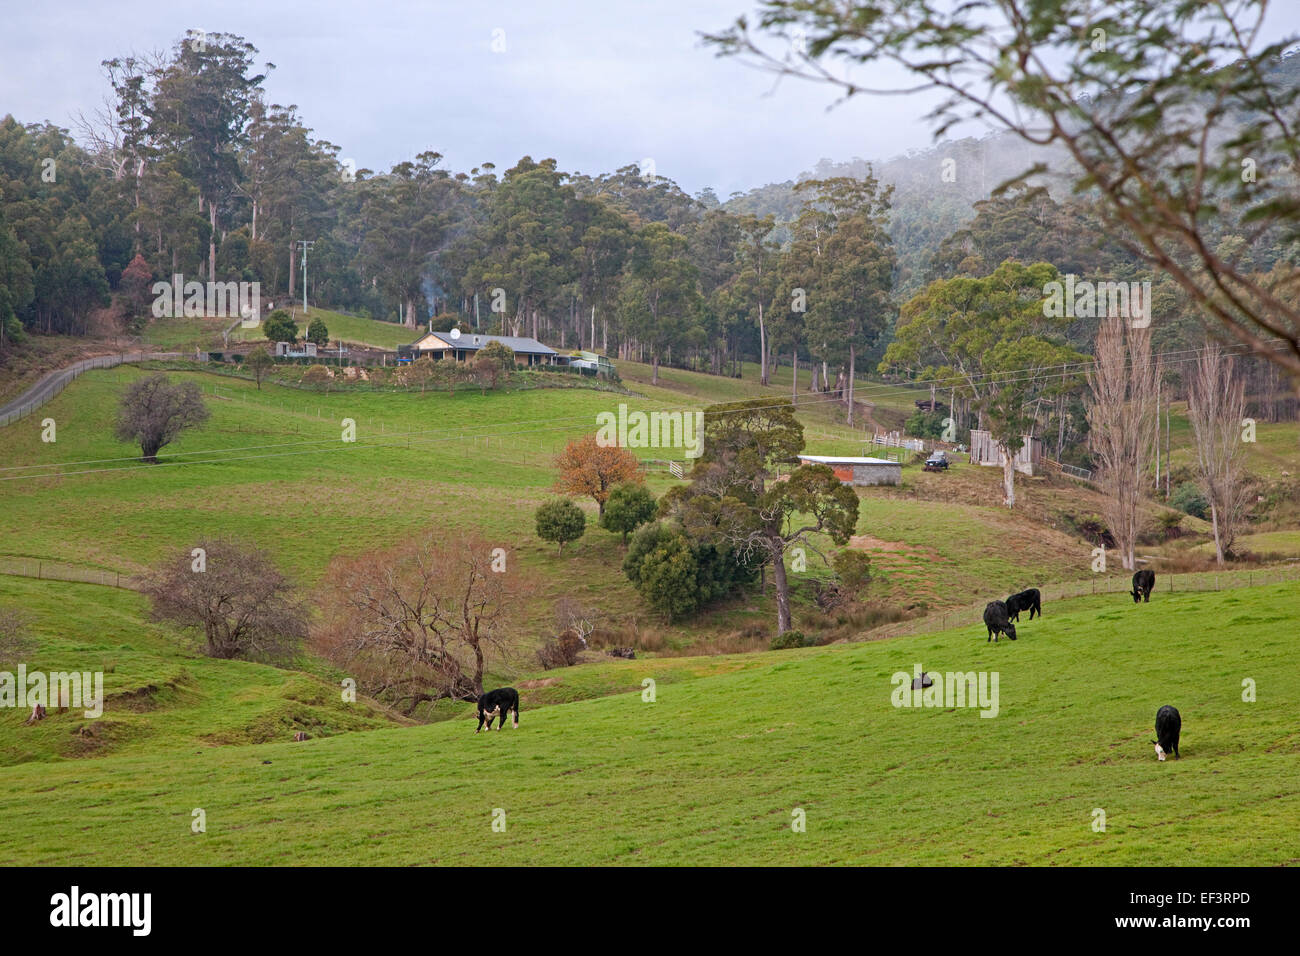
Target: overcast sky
596,84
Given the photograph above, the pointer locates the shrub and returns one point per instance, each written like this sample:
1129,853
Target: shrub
1187,498
677,575
280,327
1092,528
788,640
925,424
853,568
628,507
318,332
561,651
316,375
560,521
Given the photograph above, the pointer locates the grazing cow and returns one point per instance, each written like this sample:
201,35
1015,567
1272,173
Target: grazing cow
995,619
502,701
1169,725
1143,582
1029,600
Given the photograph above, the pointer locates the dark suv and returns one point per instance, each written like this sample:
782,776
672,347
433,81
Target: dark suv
936,461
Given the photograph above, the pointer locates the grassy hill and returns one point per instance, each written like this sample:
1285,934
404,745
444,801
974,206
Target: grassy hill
711,771
160,693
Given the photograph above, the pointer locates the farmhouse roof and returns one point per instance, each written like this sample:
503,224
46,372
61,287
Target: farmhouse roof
473,341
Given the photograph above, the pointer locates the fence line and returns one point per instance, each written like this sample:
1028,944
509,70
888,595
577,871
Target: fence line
55,382
48,570
973,615
1083,474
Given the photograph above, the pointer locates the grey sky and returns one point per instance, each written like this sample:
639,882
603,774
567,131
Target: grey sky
596,84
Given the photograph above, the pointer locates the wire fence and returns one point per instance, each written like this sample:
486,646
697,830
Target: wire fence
48,570
973,615
55,382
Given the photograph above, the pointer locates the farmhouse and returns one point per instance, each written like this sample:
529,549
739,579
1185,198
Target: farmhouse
461,348
859,471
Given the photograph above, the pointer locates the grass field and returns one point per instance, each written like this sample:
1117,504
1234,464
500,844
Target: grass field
714,768
711,771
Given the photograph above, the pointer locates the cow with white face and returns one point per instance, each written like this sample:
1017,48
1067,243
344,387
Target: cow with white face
498,703
1169,724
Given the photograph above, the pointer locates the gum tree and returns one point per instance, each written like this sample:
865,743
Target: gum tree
991,340
1176,116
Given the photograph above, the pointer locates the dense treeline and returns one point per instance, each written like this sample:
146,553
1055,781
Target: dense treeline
189,169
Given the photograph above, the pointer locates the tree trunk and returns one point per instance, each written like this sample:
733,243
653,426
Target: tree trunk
794,366
212,242
852,363
782,594
1218,540
762,346
1008,479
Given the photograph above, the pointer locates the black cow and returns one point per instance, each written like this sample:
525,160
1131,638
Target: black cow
1029,600
1169,724
1143,582
502,701
995,619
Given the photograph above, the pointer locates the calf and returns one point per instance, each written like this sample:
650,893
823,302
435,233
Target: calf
1029,600
1143,582
1169,725
995,619
502,701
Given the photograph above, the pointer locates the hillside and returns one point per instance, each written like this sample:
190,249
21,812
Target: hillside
712,770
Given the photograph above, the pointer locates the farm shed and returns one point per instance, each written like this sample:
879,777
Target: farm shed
984,451
859,471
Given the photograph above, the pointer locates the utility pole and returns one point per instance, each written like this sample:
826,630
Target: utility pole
305,246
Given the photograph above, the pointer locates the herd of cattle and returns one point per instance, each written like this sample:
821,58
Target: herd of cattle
998,618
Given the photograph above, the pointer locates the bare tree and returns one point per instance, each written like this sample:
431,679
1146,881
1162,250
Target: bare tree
423,621
235,594
1216,403
154,411
1122,417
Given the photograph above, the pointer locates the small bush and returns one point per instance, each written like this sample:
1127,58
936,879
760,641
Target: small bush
925,424
561,651
316,374
1187,498
560,521
789,639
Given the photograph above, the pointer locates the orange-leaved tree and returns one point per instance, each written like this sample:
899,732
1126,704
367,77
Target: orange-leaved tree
589,469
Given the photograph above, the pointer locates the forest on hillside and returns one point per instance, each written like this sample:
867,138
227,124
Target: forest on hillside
188,168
